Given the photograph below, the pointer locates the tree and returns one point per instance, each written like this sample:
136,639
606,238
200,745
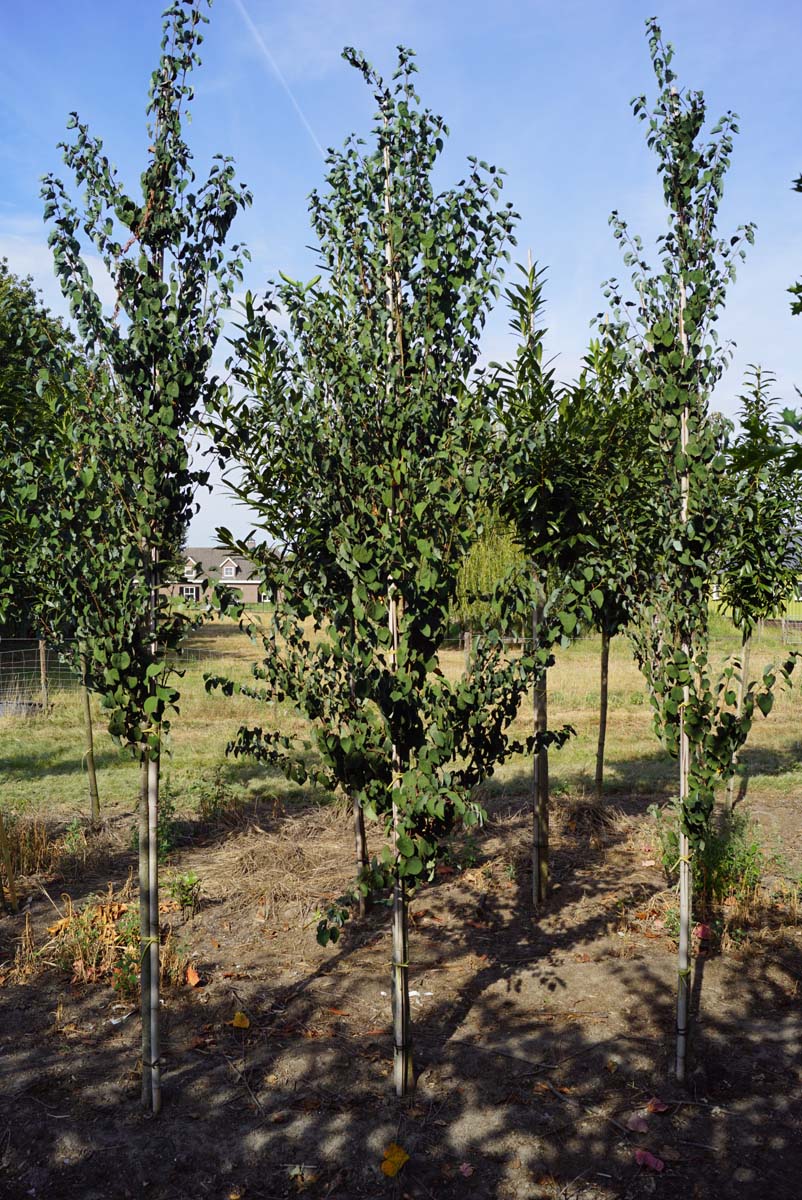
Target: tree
363,445
118,501
537,497
672,322
760,563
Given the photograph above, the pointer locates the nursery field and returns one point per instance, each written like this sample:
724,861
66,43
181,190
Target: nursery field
543,1045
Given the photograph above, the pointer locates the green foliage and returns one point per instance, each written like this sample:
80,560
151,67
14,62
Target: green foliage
186,889
488,562
730,862
365,449
676,360
114,490
759,567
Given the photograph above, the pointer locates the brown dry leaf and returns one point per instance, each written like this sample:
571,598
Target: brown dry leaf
656,1105
394,1158
193,978
670,1154
240,1021
338,1012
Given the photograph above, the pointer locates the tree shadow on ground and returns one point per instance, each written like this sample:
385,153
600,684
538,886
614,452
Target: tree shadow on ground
537,1038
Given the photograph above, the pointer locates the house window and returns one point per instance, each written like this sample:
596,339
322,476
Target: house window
189,591
229,571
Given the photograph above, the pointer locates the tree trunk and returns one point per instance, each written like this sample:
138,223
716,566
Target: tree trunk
540,781
5,855
746,649
403,1073
154,932
685,897
144,935
604,682
43,674
89,753
361,851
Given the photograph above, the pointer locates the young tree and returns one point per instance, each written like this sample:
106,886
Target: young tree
364,446
679,361
759,565
118,500
538,497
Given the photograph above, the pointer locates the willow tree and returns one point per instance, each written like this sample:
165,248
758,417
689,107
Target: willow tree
672,322
361,442
120,490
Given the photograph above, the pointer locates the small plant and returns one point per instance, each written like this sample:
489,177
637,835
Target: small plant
730,864
212,796
166,826
75,839
186,889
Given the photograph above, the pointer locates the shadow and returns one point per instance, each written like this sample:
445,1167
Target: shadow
537,1038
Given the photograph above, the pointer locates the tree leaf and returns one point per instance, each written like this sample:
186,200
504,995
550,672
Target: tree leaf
394,1159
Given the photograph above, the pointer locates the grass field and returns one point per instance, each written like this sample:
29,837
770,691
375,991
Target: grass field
43,770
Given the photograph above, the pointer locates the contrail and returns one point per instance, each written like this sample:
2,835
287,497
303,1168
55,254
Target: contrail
262,45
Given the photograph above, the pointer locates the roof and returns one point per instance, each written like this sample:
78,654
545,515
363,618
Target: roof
210,560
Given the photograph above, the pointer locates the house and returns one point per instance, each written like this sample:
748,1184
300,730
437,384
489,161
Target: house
218,566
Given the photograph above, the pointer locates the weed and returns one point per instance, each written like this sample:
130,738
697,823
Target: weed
33,850
186,889
730,865
212,796
166,826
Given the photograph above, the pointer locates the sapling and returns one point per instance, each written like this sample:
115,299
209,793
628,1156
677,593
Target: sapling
677,360
362,444
118,492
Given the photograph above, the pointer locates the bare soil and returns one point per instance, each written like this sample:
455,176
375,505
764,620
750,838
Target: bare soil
540,1040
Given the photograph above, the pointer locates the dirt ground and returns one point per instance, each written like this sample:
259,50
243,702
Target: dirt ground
539,1042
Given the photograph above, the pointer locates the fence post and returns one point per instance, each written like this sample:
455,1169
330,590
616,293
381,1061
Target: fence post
43,673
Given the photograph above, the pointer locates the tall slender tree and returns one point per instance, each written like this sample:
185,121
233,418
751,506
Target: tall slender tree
361,441
672,321
123,483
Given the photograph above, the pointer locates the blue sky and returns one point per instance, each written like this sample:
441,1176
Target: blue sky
541,88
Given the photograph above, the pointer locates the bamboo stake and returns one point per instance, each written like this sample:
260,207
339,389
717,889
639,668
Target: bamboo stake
43,674
739,705
144,934
154,932
89,753
540,780
5,854
685,875
603,694
403,1074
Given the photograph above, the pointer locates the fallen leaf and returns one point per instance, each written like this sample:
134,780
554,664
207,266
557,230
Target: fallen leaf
581,958
394,1158
637,1124
670,1154
648,862
240,1021
372,1033
466,1170
656,1105
645,1158
193,978
338,1012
